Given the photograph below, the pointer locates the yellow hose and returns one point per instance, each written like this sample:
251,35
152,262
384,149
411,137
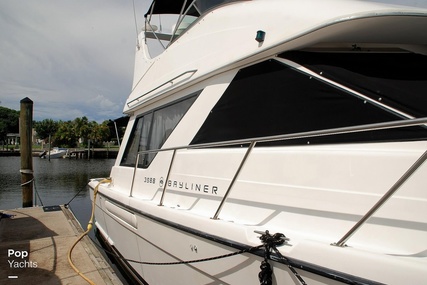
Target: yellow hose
89,228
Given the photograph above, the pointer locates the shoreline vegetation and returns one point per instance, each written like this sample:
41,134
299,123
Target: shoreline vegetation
105,152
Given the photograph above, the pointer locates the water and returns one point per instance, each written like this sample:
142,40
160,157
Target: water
56,182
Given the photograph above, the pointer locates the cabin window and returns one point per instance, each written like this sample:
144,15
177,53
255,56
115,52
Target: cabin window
271,98
152,129
398,80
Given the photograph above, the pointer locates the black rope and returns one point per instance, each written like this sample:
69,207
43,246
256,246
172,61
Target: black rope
270,242
198,260
291,268
265,276
177,262
84,187
37,192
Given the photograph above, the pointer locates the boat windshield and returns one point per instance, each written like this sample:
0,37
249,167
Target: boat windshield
177,16
189,7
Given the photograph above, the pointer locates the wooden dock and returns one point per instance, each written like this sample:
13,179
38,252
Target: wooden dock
34,244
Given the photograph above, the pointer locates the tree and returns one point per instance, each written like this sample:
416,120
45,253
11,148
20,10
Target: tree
82,128
9,122
99,132
46,128
66,134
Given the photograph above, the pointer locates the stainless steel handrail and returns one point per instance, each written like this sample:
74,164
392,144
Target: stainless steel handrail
134,175
167,178
242,163
160,86
383,199
252,141
320,133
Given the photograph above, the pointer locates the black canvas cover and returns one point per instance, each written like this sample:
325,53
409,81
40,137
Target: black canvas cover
398,80
175,6
271,98
170,7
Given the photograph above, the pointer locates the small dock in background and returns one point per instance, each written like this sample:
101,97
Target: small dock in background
93,153
74,153
34,245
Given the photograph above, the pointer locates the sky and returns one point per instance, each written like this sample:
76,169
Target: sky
72,58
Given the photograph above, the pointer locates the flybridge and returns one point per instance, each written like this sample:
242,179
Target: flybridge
187,7
185,13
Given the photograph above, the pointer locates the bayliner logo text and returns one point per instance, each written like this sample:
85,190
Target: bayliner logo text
204,188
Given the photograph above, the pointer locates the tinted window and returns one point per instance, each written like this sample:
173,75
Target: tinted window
398,80
271,98
152,130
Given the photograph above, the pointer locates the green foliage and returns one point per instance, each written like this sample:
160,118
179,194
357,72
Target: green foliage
66,135
63,134
9,122
69,133
46,128
99,132
82,127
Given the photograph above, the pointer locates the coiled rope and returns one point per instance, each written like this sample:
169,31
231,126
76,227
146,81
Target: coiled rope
270,243
89,228
32,180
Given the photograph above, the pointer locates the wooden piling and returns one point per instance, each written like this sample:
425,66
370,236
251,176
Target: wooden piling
25,132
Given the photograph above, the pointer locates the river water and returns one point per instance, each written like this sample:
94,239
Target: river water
56,182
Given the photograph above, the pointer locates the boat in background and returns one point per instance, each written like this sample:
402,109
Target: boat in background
55,152
273,142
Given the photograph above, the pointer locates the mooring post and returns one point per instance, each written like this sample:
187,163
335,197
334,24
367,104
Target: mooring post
49,149
88,149
25,132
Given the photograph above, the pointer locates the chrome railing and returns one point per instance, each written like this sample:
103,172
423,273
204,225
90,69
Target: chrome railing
170,81
251,142
383,199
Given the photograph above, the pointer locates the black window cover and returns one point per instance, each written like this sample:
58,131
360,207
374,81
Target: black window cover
271,98
170,7
175,7
399,79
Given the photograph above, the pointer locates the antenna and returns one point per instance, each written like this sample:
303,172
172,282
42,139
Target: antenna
136,24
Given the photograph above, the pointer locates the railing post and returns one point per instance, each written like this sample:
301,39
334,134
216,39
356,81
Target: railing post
134,174
167,178
248,151
383,199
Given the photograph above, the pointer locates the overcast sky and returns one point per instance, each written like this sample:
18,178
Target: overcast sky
72,58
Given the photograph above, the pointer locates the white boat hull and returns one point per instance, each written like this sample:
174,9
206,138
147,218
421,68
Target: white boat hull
141,230
201,172
54,153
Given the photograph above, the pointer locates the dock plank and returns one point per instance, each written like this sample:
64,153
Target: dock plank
47,237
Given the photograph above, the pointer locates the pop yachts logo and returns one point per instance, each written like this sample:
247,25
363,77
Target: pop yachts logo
18,259
197,187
